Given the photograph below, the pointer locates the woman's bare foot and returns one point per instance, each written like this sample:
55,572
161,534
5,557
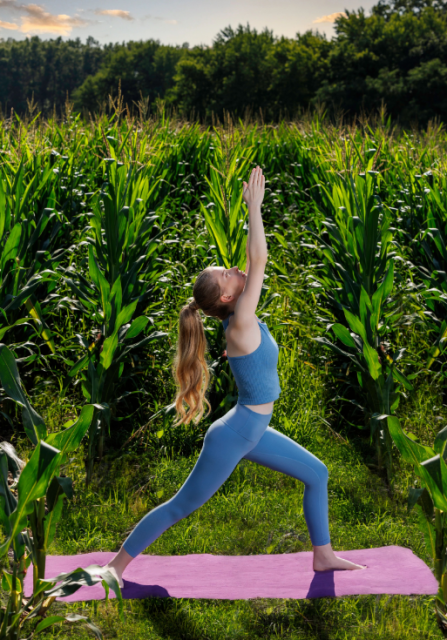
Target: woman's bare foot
336,563
326,560
117,565
116,574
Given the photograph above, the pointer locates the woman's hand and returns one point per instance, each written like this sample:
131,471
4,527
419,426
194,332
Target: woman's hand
254,190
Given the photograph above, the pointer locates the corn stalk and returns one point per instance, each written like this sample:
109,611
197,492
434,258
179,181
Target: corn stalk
29,520
355,282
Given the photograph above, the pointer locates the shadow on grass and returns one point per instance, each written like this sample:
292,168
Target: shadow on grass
171,618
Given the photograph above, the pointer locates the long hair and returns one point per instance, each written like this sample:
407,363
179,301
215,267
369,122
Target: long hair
190,368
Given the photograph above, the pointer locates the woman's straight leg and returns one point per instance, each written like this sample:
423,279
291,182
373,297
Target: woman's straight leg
280,453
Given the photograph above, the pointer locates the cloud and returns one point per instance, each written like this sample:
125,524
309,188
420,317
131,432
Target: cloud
9,4
149,17
331,17
116,13
8,25
37,20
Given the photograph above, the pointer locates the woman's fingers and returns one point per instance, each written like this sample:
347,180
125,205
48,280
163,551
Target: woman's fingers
256,180
254,176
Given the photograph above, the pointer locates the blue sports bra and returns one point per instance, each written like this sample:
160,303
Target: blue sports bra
256,373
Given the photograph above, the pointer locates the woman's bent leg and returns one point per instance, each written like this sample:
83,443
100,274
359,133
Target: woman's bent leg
281,453
223,448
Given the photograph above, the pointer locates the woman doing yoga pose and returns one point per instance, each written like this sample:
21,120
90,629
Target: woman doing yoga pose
243,432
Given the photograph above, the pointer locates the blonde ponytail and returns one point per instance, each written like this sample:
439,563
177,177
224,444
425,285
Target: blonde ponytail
190,368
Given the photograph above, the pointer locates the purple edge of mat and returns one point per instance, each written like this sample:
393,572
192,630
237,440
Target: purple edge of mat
386,575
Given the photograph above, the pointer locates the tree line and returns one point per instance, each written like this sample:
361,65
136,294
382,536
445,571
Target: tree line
396,55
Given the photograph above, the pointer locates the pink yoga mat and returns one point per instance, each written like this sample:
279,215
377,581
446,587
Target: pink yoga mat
390,570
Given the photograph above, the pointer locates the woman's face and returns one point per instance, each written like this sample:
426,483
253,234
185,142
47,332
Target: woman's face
231,281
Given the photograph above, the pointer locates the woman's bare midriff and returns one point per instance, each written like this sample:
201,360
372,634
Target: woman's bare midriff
261,408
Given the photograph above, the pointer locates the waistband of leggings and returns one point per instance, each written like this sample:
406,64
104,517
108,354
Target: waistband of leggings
247,423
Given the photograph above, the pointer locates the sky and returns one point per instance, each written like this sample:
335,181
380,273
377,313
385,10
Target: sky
172,22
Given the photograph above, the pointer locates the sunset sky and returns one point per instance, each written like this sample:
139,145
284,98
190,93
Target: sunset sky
170,21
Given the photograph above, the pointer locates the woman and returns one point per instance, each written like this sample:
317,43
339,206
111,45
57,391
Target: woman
232,296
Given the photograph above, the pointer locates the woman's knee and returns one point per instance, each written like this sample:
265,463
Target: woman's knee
321,470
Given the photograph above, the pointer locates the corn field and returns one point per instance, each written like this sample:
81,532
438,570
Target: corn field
103,227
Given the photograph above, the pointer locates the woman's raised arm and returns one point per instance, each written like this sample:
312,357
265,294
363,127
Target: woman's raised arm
253,196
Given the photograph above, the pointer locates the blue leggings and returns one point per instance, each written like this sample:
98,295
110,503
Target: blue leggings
240,433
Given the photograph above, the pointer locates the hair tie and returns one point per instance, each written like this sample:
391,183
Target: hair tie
193,305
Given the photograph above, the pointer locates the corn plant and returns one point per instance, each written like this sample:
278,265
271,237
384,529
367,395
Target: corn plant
224,213
30,231
430,258
30,518
429,465
355,281
123,270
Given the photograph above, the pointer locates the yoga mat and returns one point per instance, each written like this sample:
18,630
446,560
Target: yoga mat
391,569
